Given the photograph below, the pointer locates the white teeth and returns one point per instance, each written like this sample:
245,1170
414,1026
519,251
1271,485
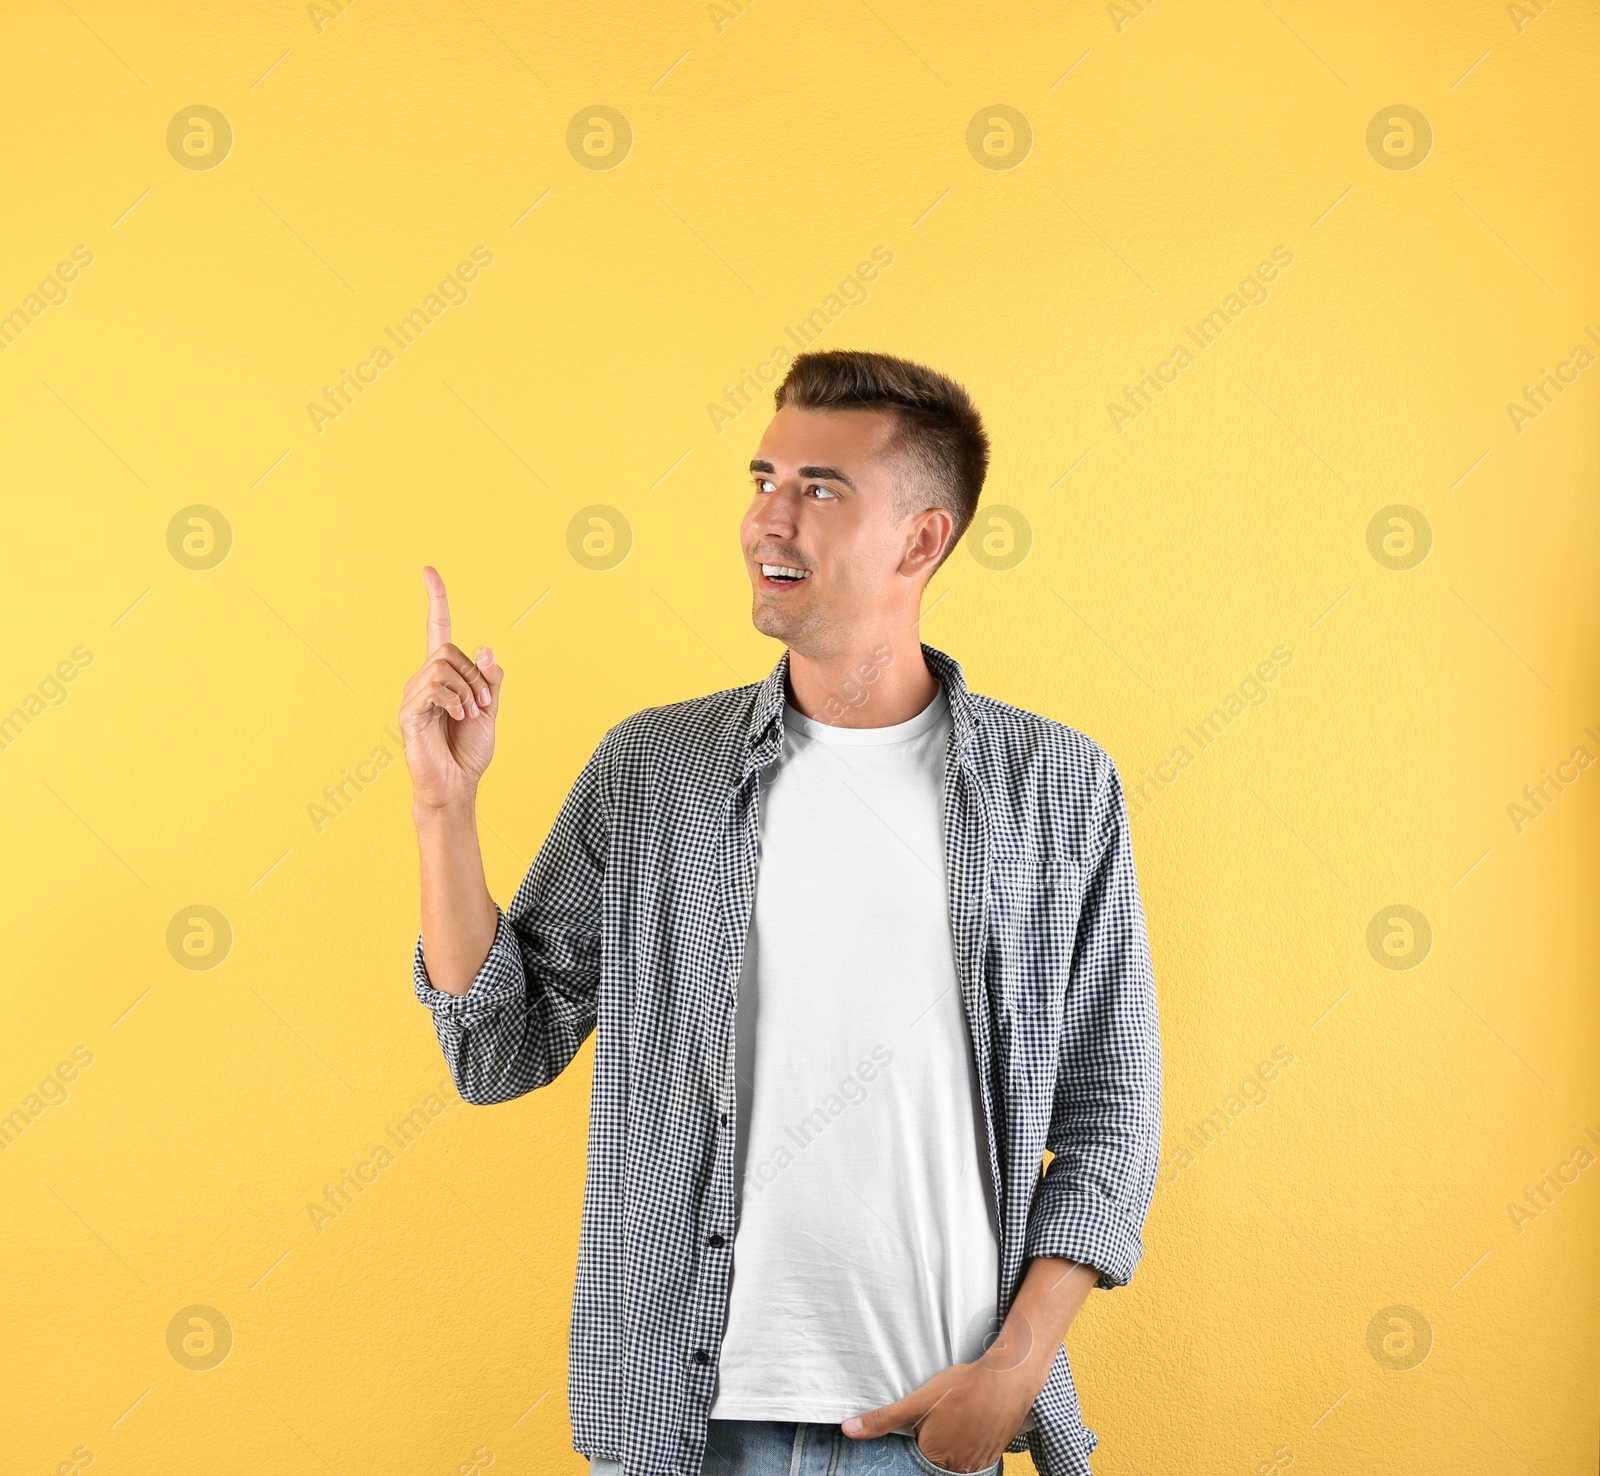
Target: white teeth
784,571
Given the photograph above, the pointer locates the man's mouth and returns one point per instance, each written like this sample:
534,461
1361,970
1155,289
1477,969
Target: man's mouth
775,576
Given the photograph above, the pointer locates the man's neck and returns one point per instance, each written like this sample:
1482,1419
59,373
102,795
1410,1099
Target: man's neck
875,682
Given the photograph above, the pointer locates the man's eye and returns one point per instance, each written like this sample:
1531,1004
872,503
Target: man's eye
765,484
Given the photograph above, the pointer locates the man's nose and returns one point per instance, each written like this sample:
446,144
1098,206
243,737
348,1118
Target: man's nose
775,512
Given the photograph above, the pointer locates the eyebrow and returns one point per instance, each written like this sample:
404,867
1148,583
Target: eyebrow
818,473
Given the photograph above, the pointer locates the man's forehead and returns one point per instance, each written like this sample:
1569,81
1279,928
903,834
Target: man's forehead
839,438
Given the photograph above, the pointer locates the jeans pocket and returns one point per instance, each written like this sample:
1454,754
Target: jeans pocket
936,1470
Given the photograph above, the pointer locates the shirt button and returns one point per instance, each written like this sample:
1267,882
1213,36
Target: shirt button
701,1356
724,1119
718,1241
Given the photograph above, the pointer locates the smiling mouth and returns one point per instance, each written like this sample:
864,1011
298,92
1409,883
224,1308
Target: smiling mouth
781,576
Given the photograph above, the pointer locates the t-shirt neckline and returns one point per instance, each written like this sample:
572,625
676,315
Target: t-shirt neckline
936,711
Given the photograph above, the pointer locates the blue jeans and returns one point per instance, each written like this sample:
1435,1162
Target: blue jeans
786,1448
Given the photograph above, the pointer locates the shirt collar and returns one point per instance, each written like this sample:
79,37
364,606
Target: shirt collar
765,733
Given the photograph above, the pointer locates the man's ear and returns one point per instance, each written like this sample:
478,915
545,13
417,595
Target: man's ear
930,531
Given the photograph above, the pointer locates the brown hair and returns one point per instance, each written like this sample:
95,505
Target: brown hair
940,433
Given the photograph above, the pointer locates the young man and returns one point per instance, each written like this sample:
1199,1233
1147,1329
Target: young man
858,946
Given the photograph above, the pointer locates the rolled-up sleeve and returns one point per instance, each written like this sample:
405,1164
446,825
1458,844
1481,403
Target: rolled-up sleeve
1105,1126
533,1002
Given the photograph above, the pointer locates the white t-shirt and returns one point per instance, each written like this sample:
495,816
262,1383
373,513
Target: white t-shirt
866,1255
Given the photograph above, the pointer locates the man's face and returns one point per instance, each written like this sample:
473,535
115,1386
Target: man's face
825,505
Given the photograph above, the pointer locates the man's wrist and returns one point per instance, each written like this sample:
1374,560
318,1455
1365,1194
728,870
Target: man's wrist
1052,1290
1021,1356
460,812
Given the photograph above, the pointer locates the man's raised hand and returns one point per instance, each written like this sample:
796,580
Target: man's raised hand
448,711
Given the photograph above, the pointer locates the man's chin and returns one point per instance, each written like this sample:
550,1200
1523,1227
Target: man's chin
768,621
780,624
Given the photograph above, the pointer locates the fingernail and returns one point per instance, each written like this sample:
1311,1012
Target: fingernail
488,655
852,1426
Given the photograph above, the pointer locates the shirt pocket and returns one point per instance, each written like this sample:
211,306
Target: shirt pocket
1035,901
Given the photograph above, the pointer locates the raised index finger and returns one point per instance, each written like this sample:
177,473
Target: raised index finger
438,609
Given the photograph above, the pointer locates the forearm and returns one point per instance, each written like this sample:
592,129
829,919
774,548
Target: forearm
967,1414
458,914
1052,1291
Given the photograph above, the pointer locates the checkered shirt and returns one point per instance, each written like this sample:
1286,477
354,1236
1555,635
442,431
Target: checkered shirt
631,923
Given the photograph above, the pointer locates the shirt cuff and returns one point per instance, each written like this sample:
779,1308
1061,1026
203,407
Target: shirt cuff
500,978
1078,1223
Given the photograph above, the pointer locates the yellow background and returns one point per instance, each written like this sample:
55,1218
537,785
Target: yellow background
424,1329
